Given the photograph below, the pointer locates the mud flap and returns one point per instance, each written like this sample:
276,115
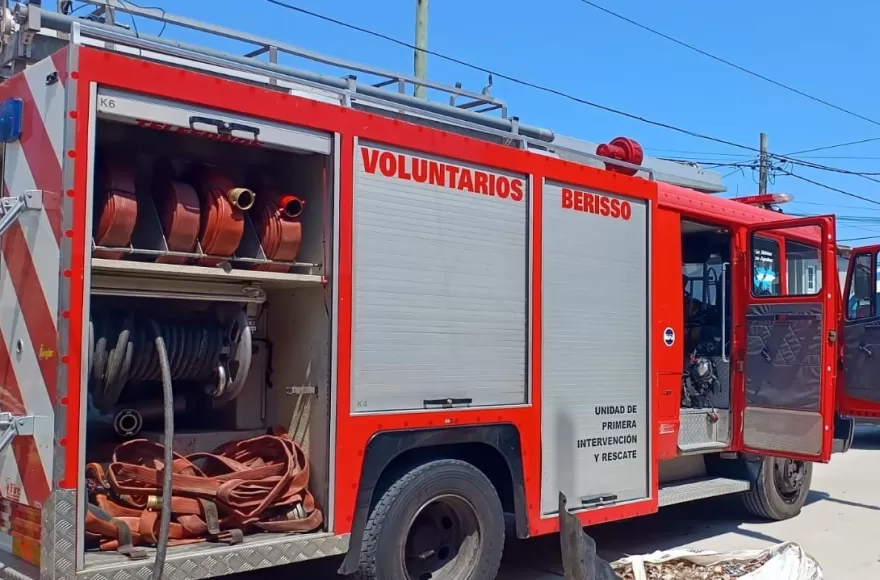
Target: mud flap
579,559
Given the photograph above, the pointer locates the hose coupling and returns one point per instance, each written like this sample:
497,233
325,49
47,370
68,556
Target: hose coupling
291,206
241,198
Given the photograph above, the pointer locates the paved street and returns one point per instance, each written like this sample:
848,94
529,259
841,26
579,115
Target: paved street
840,526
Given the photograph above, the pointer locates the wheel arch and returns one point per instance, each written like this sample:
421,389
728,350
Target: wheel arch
494,449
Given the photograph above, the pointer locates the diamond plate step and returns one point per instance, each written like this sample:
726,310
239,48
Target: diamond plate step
703,447
694,489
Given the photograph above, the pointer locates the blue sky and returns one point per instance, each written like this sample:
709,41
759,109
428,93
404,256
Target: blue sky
571,46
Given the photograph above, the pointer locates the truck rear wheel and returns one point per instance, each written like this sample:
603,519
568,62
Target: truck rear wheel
780,489
443,520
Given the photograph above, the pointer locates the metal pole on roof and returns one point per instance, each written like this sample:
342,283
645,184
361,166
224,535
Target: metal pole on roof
420,65
764,170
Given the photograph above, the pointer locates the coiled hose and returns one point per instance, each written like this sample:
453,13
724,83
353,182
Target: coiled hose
203,351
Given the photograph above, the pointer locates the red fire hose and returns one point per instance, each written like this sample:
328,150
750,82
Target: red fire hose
178,207
207,207
279,229
116,208
222,218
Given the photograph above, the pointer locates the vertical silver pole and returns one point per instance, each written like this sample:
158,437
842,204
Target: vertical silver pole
421,58
764,173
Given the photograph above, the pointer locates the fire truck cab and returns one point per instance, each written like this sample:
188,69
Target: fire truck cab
370,325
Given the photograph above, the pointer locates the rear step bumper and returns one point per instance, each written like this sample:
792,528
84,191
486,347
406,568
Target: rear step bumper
693,489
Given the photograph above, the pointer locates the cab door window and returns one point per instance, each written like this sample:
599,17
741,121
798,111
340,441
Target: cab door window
765,267
862,299
803,269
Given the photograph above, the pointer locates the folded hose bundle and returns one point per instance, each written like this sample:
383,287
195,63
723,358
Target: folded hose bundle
279,229
222,212
178,207
258,484
116,209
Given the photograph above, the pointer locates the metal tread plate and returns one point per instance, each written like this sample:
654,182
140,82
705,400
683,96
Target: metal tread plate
694,489
207,561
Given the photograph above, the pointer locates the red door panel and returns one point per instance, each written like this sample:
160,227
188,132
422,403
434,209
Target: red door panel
788,356
859,388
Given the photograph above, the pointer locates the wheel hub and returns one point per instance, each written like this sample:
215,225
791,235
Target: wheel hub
443,540
788,476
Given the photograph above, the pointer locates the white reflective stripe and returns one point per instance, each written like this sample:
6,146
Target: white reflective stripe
49,100
38,232
25,365
9,474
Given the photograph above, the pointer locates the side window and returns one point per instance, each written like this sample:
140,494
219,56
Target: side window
876,279
765,267
863,288
803,269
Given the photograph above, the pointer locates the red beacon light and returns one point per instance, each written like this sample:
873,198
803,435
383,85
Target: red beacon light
622,149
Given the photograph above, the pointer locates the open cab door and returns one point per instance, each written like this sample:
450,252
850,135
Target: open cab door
787,352
859,389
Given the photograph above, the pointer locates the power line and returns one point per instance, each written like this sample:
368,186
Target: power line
836,205
589,103
858,239
728,63
701,153
513,79
848,157
835,146
830,187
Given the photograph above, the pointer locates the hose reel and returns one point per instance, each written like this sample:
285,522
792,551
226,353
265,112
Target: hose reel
203,354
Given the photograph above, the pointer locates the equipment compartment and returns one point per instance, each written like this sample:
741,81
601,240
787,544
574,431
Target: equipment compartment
221,246
167,195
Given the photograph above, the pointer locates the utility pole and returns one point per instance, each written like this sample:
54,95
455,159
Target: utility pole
764,170
421,58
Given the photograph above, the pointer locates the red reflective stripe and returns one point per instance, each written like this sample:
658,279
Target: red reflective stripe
34,309
45,167
24,448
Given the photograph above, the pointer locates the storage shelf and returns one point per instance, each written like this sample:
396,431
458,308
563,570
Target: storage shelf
147,279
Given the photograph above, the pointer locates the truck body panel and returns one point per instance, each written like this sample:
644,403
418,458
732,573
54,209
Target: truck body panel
596,403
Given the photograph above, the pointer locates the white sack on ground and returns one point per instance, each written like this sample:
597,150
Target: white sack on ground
786,561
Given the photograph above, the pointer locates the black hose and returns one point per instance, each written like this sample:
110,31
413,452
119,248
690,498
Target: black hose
122,350
168,458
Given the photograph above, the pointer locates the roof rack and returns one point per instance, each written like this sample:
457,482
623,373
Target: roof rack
30,33
102,24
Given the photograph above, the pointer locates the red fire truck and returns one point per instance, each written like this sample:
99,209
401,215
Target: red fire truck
443,314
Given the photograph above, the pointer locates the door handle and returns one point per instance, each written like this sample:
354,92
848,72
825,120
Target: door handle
865,350
224,127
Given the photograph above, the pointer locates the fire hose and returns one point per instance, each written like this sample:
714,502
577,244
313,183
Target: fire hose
206,207
178,207
222,206
167,455
117,210
215,355
279,230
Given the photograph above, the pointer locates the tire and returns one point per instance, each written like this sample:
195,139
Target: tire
394,547
776,500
